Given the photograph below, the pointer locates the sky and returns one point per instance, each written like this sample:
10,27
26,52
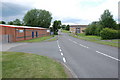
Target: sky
70,12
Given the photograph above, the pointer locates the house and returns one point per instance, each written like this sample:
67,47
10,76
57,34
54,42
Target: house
12,33
77,28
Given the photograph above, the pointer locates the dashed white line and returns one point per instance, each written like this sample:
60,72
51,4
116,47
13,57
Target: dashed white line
58,46
75,42
79,44
61,53
108,56
64,59
83,46
60,49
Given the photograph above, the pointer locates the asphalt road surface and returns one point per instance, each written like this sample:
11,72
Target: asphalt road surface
84,59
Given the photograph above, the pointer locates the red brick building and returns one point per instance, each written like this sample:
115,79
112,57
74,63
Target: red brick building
12,33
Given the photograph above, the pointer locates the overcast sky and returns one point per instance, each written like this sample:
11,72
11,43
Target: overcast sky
68,11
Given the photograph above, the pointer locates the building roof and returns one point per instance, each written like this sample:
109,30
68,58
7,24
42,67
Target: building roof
27,27
78,25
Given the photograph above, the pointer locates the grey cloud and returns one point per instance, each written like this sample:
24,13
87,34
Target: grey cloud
11,9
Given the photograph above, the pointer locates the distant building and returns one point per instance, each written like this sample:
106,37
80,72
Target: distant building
12,33
77,28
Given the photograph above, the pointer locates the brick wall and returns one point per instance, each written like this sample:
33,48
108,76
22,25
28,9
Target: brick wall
18,34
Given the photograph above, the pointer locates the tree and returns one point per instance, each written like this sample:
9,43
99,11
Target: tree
10,23
38,18
107,20
56,26
17,22
67,27
91,29
2,22
63,26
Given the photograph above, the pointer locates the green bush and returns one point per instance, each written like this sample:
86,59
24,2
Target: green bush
108,33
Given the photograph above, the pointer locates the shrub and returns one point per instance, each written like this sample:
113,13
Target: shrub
108,33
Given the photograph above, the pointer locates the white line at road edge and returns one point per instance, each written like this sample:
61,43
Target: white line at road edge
64,59
79,44
74,75
108,56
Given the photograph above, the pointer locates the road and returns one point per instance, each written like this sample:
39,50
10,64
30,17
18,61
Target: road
84,59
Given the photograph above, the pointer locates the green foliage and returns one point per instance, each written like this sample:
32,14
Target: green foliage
10,23
118,27
108,33
17,22
2,22
91,29
56,26
98,29
67,27
63,27
107,20
38,18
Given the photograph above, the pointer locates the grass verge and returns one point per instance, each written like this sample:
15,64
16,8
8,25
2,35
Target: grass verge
38,39
53,39
65,31
96,39
25,65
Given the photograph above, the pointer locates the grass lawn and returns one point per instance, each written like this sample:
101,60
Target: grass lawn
96,39
38,39
26,65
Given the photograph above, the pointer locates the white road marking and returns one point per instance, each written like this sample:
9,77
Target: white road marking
79,44
64,60
75,42
60,49
108,56
61,53
83,46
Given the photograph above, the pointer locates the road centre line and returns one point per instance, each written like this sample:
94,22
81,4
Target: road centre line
61,53
60,50
108,56
64,59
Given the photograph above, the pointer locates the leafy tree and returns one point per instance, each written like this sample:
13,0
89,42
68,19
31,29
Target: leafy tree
67,27
38,18
17,22
2,22
118,27
91,29
56,26
63,26
107,20
10,23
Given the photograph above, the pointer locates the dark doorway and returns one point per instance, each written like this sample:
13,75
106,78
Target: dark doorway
32,34
36,34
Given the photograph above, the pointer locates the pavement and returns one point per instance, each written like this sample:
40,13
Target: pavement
84,59
7,46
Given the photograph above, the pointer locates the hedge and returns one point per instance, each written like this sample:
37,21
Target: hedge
108,33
